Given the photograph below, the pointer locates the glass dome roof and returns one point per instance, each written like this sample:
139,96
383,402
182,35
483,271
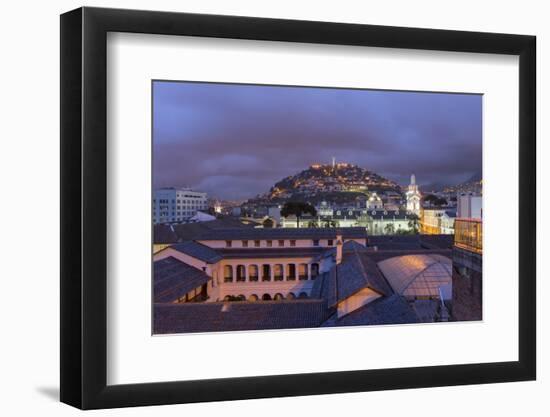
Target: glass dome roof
417,276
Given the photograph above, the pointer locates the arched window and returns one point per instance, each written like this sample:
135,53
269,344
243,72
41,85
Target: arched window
253,297
291,272
241,297
266,297
241,276
302,271
227,298
253,273
266,272
290,296
227,273
314,270
278,296
278,272
302,295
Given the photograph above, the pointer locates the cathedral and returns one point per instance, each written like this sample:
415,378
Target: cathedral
413,197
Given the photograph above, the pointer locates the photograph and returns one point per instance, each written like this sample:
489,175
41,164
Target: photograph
292,207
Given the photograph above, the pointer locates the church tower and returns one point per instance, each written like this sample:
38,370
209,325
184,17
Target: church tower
413,197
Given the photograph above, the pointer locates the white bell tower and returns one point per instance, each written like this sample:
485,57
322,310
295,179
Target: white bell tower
413,197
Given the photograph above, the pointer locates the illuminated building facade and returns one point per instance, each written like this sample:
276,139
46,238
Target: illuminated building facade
437,221
413,197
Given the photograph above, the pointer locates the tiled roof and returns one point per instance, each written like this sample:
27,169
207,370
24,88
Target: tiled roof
396,242
222,317
355,272
173,279
293,252
283,233
163,233
437,241
411,242
319,290
198,251
384,310
190,231
349,246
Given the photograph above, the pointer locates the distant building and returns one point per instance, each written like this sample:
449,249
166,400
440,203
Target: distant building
413,197
376,222
171,205
437,221
387,222
470,206
374,202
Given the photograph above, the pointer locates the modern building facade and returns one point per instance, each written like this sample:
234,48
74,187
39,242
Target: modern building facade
171,205
470,206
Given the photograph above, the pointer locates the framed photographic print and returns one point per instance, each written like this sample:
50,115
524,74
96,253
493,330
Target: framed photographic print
257,208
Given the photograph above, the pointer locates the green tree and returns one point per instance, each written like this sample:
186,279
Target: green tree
435,200
298,209
389,229
414,223
268,223
430,198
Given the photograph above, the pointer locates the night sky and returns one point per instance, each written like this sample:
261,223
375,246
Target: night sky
236,141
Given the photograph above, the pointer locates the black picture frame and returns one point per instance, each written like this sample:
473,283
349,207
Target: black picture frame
84,207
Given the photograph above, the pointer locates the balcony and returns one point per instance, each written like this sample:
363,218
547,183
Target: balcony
469,235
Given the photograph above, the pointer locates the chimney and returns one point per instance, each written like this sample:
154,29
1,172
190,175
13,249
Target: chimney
339,246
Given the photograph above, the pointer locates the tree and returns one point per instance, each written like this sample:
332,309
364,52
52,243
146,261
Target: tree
298,209
434,200
268,223
414,222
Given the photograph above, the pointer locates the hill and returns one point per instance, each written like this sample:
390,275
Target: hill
338,183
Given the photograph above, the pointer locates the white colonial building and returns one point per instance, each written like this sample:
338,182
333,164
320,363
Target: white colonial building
177,205
254,264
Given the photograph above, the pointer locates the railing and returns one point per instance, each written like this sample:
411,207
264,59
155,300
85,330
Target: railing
469,234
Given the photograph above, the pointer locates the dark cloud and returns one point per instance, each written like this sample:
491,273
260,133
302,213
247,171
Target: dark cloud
235,141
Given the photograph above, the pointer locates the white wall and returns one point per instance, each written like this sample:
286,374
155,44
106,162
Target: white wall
30,65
